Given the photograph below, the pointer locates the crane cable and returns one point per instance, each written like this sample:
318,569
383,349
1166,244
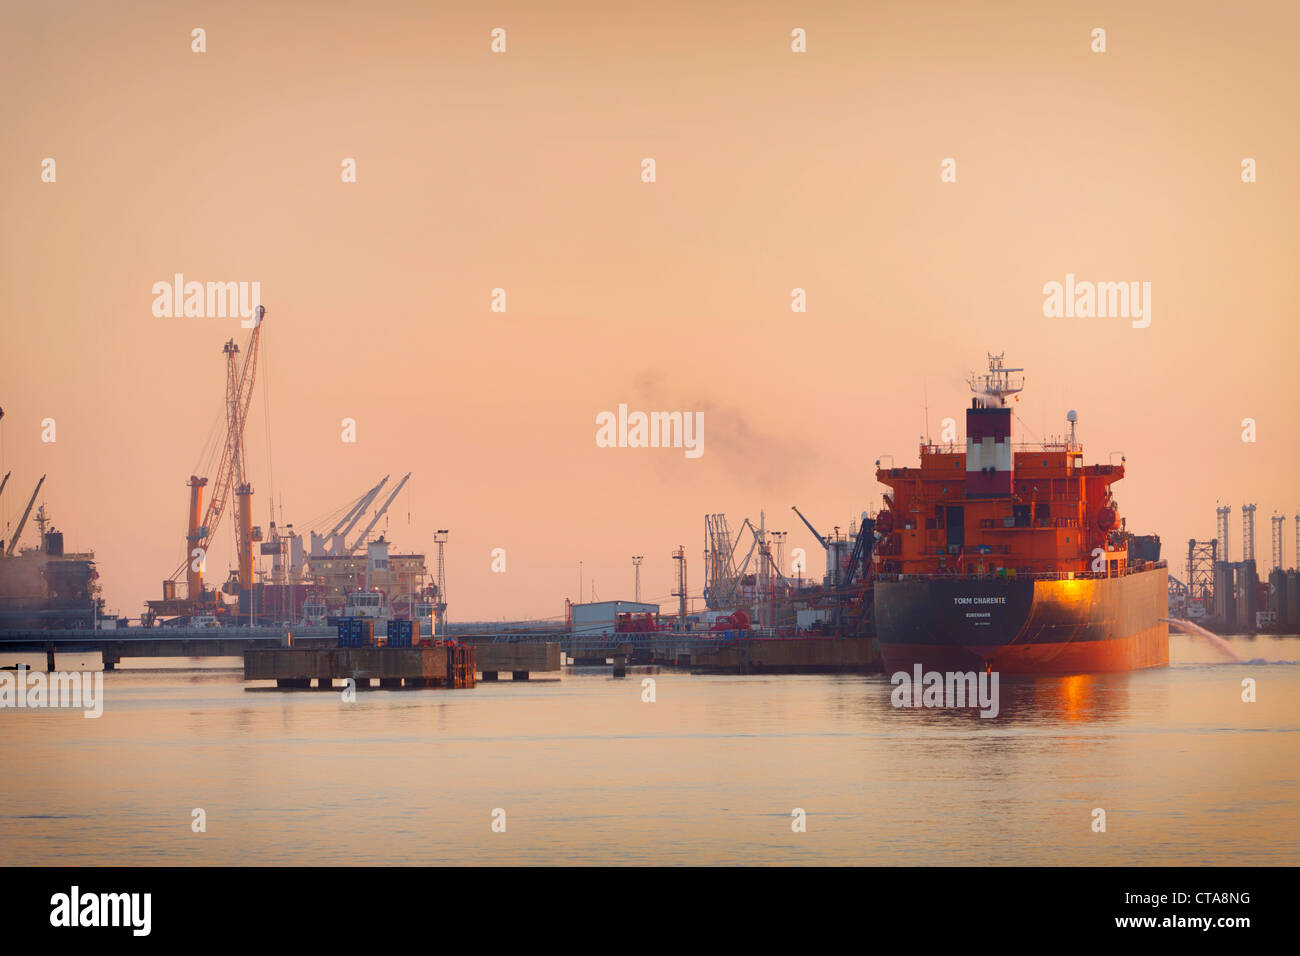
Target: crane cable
266,417
207,453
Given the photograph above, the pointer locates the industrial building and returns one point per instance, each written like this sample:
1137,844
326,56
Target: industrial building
600,617
1228,596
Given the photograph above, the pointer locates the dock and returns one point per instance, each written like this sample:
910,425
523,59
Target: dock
520,654
806,655
447,666
125,643
703,652
519,659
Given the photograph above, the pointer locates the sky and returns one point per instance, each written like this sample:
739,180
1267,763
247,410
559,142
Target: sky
522,170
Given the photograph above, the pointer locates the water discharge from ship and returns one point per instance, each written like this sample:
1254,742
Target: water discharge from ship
1187,627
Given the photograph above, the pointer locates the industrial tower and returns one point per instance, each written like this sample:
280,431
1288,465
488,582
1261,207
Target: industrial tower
1221,529
1201,559
1248,532
636,566
680,557
1277,539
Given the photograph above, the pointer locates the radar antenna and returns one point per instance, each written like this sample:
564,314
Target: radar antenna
998,383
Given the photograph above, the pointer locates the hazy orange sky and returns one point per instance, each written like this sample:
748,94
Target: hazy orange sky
522,171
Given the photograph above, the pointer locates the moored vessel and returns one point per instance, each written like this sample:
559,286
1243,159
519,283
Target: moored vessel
46,587
1013,557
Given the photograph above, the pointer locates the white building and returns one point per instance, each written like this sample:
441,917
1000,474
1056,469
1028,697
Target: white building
600,616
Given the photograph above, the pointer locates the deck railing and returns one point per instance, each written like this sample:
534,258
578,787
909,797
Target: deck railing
1012,574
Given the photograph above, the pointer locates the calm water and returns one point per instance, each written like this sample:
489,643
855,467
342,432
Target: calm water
709,773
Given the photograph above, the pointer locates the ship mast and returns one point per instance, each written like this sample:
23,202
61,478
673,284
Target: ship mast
994,387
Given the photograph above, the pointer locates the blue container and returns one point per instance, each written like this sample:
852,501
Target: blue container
351,632
400,633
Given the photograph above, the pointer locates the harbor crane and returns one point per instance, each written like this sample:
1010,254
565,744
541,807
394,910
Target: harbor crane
231,478
722,574
349,520
379,513
820,540
22,522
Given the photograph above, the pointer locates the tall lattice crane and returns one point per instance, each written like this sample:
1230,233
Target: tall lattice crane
231,471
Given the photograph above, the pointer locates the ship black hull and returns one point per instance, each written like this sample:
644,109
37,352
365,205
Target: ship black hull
1086,625
46,618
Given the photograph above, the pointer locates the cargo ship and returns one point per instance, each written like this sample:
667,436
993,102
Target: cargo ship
1013,557
45,587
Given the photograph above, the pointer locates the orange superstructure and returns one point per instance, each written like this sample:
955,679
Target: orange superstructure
1013,556
996,506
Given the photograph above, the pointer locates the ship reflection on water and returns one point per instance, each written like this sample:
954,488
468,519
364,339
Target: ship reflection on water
1082,698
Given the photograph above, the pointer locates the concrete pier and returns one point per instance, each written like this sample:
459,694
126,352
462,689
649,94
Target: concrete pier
715,653
452,665
830,655
491,658
394,667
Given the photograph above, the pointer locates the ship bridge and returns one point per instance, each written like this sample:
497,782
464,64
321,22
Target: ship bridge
991,504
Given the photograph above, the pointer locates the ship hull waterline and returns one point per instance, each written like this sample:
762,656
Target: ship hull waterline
1057,627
